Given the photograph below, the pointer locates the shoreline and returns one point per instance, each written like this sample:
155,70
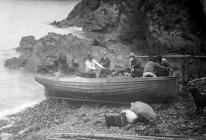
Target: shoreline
50,117
11,111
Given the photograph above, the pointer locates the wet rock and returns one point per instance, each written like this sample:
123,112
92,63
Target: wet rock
27,44
15,63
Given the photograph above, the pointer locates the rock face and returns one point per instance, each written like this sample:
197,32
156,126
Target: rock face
123,19
45,54
166,26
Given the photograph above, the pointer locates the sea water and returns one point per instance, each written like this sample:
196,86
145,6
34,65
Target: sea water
18,89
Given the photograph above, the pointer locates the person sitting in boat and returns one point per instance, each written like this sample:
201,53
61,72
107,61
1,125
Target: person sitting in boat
62,64
105,62
172,69
163,62
135,66
150,67
93,67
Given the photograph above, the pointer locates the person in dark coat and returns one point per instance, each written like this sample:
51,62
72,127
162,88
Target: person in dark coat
165,63
62,64
105,62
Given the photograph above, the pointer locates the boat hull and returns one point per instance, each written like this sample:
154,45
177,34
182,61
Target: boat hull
110,90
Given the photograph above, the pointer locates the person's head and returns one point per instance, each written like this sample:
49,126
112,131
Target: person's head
159,59
131,56
164,62
89,57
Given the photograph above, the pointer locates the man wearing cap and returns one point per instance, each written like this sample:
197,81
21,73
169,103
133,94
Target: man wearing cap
135,66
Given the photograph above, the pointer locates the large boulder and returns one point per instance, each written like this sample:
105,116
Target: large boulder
15,63
27,44
46,53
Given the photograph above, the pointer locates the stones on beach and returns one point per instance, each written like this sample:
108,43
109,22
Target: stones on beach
29,129
37,137
7,136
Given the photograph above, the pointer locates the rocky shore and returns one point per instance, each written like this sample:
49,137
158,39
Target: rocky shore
51,117
42,56
145,27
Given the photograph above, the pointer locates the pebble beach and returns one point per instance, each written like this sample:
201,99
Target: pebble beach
51,117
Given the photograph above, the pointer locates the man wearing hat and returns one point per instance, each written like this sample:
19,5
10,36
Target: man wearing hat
135,66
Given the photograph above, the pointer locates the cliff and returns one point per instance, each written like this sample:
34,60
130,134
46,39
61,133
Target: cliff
119,27
166,26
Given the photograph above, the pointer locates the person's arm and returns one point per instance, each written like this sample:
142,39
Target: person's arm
89,66
160,66
99,65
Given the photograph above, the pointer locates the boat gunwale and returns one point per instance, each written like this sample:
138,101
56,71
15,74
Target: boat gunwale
83,80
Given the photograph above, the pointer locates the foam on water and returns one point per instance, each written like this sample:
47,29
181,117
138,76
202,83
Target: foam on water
18,89
17,109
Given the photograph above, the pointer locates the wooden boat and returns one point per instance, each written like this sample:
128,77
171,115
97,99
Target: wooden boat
110,90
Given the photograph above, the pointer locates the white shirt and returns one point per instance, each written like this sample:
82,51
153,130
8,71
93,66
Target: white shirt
91,65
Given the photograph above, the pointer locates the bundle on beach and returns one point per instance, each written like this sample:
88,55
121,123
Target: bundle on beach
144,110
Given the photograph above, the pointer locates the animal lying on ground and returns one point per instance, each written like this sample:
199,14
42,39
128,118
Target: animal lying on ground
143,110
115,119
199,99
